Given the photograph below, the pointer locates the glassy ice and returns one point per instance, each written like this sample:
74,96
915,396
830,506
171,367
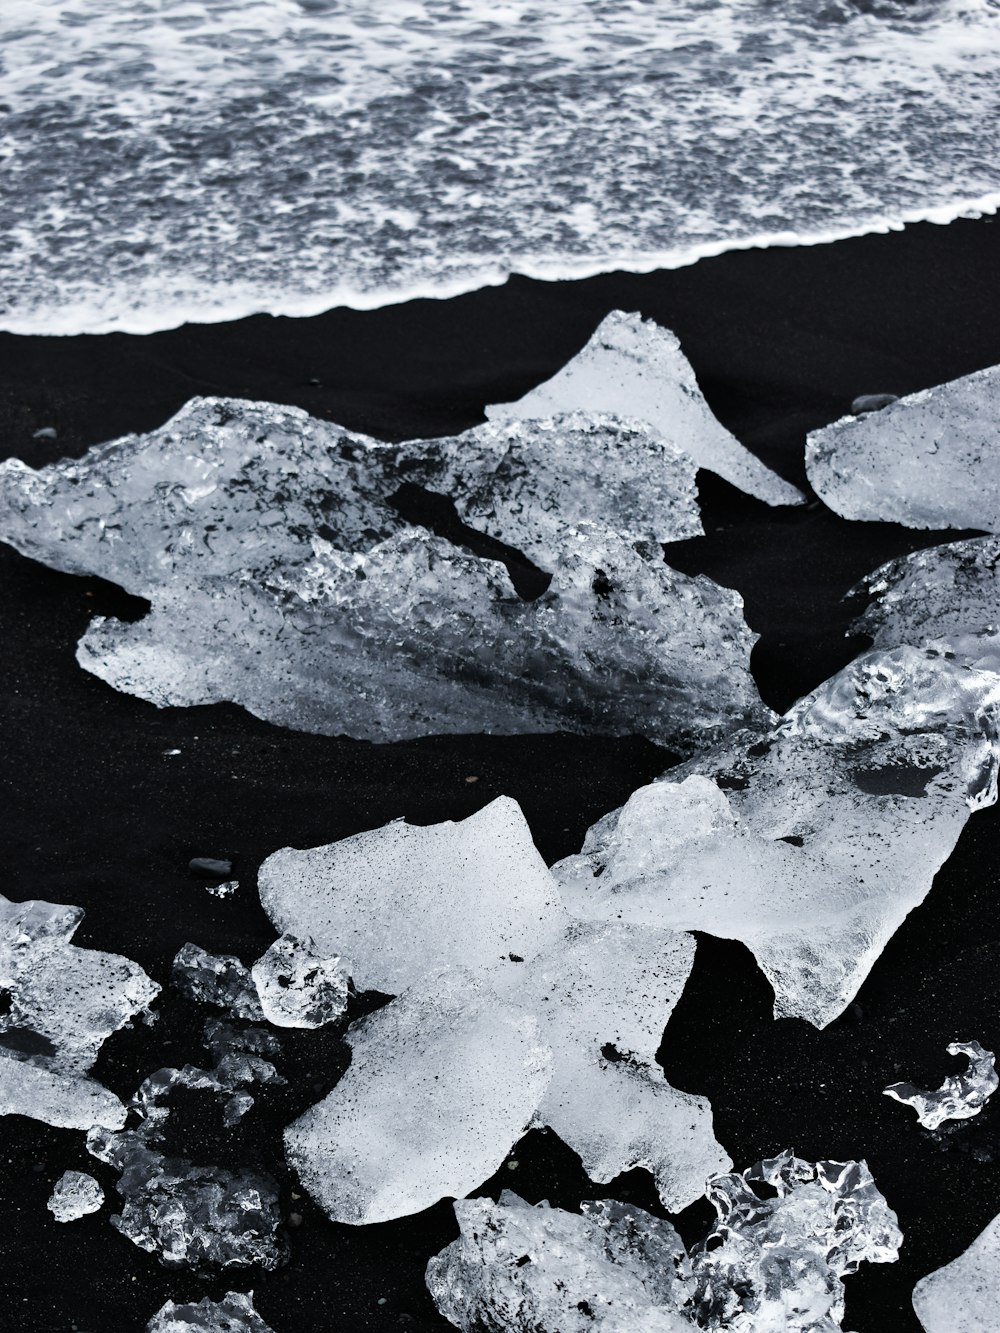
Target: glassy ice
960,1096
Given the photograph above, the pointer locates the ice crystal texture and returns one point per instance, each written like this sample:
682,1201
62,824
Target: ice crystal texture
504,1012
928,461
235,1313
963,1294
812,840
960,1096
217,979
635,368
74,1195
298,987
319,608
787,1232
64,1003
946,597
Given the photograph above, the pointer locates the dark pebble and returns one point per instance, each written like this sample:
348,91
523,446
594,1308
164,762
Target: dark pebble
872,402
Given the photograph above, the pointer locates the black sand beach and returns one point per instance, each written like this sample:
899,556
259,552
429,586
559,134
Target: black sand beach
98,815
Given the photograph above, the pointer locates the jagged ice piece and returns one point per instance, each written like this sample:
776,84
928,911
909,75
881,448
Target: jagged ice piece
961,1096
963,1294
74,1195
298,987
282,578
218,979
930,460
235,1313
636,368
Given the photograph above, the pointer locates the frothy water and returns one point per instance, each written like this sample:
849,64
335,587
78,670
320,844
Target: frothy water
175,160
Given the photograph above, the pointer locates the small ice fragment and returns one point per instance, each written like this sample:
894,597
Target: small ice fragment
225,890
636,368
235,1313
219,979
961,1297
74,1195
298,987
961,1096
210,865
168,753
787,1233
928,461
872,402
46,433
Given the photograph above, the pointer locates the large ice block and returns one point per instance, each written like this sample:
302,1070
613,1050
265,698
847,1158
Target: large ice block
930,460
961,1297
636,368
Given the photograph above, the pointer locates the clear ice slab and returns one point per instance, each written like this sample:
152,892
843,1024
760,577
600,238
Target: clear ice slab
787,1233
961,1096
281,577
74,1195
636,368
504,1014
810,841
64,1002
962,1296
929,460
235,1313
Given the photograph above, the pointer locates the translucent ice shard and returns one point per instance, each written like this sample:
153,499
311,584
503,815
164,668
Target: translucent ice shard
928,461
235,1313
947,597
298,987
63,1003
218,979
464,922
317,607
960,1096
963,1294
810,841
787,1233
634,367
441,1083
74,1195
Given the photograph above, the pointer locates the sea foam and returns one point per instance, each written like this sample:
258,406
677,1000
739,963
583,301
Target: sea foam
201,161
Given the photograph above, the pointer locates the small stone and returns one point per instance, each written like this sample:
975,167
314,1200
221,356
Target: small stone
46,433
872,402
210,865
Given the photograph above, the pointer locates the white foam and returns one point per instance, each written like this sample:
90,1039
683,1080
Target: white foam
205,162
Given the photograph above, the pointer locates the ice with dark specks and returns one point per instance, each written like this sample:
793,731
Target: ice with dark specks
961,1297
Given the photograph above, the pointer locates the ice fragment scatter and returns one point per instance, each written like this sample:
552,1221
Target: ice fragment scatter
960,1096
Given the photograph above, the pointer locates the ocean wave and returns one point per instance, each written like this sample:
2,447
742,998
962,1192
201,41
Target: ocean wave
204,159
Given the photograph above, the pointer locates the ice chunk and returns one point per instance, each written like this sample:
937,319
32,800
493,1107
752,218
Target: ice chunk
402,901
235,1313
636,368
787,1232
946,597
813,840
74,1195
441,1083
515,1267
225,890
963,1294
316,607
219,979
64,1002
298,987
928,461
961,1096
576,1009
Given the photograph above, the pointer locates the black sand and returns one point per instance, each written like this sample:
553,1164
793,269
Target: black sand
96,814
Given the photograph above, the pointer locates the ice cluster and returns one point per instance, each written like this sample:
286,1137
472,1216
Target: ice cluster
74,1195
283,577
64,1002
930,460
961,1297
201,1217
961,1096
507,1013
634,368
787,1232
235,1313
810,840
